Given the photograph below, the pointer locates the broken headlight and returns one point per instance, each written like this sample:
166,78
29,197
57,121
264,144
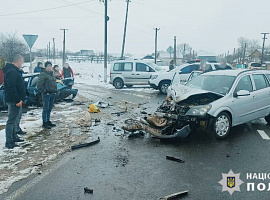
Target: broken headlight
198,110
154,77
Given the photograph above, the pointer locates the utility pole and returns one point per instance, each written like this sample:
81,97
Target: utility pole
264,38
125,30
174,58
156,31
64,46
233,54
105,40
53,50
244,54
49,50
184,52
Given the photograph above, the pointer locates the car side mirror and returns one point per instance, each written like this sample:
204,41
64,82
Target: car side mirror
242,93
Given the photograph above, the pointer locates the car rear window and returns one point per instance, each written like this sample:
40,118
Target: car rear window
260,81
123,67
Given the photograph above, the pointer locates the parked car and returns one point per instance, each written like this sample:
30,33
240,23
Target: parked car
162,80
131,72
219,100
255,65
176,80
33,97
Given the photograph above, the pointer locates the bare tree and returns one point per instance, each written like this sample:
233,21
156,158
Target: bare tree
10,45
183,49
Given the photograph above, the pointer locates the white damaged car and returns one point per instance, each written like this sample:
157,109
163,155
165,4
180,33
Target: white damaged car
216,101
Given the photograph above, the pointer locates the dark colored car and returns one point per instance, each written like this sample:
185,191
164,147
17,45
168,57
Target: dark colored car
33,97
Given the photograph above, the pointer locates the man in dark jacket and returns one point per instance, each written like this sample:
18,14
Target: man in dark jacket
48,88
14,96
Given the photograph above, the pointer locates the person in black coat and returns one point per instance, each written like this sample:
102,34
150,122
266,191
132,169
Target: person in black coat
14,96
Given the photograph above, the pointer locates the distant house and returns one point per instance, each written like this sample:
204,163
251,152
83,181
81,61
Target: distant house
165,58
84,52
255,56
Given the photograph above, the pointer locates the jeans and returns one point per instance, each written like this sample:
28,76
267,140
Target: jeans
11,126
18,128
48,101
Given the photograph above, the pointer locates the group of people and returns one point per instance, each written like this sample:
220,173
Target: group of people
67,71
15,94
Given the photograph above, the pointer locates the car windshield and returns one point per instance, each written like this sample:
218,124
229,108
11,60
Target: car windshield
154,66
214,83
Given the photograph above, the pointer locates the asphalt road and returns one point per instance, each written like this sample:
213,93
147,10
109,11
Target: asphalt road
120,168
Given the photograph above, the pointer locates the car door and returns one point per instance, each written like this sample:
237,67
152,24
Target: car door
125,71
243,106
143,73
261,95
186,71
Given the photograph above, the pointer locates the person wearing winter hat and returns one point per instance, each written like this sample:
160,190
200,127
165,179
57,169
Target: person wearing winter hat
38,68
47,87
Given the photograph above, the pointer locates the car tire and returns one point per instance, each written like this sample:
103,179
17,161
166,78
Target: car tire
129,86
222,125
163,86
267,119
118,83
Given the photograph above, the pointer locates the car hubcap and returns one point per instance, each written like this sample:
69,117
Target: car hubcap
222,125
118,84
164,88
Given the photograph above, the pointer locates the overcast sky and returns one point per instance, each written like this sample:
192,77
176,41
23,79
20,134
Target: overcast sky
212,25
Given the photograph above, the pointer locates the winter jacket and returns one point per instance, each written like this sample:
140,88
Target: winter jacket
14,84
67,73
46,82
37,69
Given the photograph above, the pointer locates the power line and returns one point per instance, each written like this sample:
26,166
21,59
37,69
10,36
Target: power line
42,10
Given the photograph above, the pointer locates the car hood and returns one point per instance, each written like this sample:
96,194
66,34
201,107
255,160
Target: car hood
183,92
163,73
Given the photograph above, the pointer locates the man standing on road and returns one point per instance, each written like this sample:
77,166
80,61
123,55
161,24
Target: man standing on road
48,88
14,96
19,131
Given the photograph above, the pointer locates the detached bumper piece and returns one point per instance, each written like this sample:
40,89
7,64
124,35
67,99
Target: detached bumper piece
178,134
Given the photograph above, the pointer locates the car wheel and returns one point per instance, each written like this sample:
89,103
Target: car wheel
163,86
267,119
129,86
222,125
118,83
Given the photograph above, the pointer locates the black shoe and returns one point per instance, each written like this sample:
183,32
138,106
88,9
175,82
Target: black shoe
18,140
51,124
21,132
46,125
11,146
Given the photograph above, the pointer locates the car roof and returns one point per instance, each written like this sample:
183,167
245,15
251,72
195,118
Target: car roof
30,75
236,72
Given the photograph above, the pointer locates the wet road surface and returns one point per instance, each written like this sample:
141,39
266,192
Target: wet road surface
123,168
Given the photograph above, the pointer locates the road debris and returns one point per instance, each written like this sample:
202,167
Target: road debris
175,195
85,144
88,190
174,159
136,134
110,124
144,113
93,109
102,104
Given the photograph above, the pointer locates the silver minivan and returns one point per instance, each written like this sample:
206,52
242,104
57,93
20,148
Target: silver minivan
131,72
222,99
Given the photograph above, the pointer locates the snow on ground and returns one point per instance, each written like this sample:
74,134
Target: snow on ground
42,146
